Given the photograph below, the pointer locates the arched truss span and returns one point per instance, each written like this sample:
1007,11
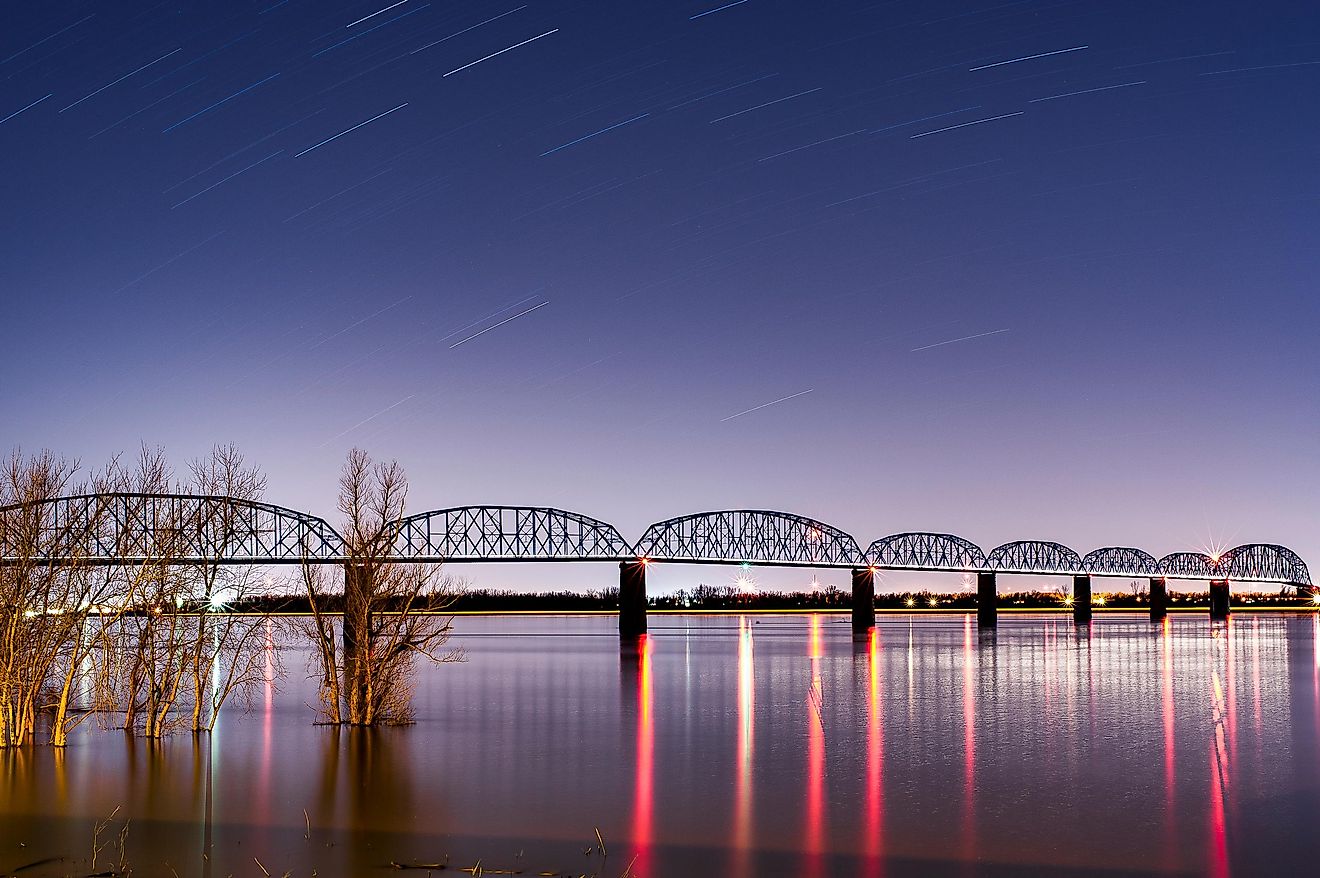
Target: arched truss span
1034,556
926,551
129,529
1264,562
1188,565
507,533
1120,561
750,536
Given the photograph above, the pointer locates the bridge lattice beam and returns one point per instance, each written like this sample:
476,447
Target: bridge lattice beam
130,529
508,533
750,536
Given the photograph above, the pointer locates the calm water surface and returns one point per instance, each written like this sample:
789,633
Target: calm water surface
727,745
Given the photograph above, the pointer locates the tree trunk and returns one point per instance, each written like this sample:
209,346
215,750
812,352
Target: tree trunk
357,640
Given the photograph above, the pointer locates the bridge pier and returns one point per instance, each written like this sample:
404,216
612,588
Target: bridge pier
987,600
1219,599
1159,599
632,599
1081,599
863,602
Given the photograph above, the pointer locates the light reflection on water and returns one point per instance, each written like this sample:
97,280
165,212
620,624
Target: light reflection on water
756,745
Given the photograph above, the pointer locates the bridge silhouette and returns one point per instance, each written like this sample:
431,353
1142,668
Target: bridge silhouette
186,529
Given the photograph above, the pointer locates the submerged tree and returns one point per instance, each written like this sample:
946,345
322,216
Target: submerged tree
40,606
176,655
228,654
389,616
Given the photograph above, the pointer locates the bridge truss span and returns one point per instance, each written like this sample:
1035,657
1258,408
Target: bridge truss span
1120,561
1034,556
508,533
185,529
926,551
750,536
1264,562
1188,565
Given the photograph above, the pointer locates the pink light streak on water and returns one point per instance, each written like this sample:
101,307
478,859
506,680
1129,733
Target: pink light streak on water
873,825
644,768
742,805
1220,711
969,740
813,846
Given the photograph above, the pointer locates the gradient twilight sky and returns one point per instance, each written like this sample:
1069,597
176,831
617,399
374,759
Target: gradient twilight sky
1027,269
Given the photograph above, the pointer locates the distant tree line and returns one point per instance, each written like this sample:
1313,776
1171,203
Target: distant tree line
709,598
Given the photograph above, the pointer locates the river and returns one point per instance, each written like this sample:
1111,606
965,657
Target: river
735,746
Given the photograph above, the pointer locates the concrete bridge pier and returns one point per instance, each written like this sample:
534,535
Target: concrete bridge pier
863,602
1081,599
1159,599
1219,599
632,599
987,600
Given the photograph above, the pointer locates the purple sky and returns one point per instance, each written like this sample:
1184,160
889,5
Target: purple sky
1015,270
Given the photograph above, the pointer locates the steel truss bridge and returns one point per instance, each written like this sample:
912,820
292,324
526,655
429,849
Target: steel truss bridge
185,529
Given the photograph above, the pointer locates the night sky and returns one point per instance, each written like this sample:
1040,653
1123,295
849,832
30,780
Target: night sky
1009,270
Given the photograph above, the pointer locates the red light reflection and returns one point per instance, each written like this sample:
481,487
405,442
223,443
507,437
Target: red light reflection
969,741
814,843
643,795
1218,866
873,846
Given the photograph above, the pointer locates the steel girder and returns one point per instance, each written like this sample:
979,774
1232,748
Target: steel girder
1034,556
750,536
1188,565
129,528
507,533
1120,561
126,528
926,551
1264,562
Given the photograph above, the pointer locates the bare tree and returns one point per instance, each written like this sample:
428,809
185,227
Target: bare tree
389,610
148,654
49,613
228,653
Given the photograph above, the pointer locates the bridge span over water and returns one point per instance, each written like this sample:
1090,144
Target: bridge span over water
185,529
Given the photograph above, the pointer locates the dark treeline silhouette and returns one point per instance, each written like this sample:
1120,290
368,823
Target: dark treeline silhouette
717,598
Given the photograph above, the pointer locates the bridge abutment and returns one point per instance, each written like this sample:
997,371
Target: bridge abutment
1081,599
987,600
1219,599
632,598
1159,599
863,601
